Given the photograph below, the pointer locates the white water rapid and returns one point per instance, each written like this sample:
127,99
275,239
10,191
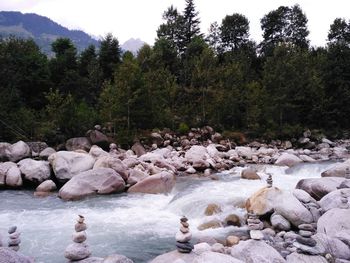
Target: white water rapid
136,225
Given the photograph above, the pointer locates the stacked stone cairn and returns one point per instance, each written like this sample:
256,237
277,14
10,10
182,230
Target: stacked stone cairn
183,237
255,226
347,173
14,238
344,200
269,181
78,250
304,241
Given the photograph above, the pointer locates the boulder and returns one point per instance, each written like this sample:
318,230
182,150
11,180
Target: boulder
250,174
212,209
136,176
46,186
115,258
138,149
302,258
4,167
35,171
331,245
288,206
36,147
68,164
303,196
232,240
279,222
79,143
44,154
254,251
13,177
337,170
8,255
97,181
4,150
212,151
98,138
319,187
333,199
244,152
211,257
263,201
201,248
18,151
91,260
113,163
288,159
174,256
344,236
157,139
232,220
97,152
162,182
77,251
334,221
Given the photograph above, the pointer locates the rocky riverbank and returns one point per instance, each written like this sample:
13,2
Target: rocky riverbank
286,226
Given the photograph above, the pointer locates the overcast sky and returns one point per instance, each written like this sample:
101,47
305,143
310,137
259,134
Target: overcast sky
141,18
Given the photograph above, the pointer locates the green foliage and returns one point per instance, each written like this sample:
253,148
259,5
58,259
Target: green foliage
183,128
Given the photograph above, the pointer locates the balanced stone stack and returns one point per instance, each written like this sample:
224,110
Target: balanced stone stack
183,237
269,181
304,241
347,173
14,238
255,226
78,250
344,200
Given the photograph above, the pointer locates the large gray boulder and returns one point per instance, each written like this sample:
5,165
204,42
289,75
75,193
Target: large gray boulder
319,187
46,186
292,209
156,184
44,154
210,257
302,258
113,163
115,258
138,149
98,181
333,199
173,256
334,221
68,164
79,143
196,153
4,149
254,251
288,159
35,171
77,251
18,151
10,175
279,222
9,256
332,245
337,170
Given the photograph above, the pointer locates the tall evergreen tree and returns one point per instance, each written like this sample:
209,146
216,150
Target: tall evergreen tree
109,56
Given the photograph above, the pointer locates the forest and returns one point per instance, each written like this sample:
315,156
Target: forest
272,89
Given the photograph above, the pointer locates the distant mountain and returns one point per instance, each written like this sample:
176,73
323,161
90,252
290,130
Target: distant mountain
132,45
42,29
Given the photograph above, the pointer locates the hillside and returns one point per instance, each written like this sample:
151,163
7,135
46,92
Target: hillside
42,29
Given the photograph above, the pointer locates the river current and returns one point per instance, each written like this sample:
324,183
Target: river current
139,226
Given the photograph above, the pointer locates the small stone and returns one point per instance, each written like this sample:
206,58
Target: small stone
80,227
14,242
14,248
185,245
256,234
184,229
256,226
181,250
305,233
307,227
232,240
232,220
14,235
185,224
306,241
217,247
81,219
212,209
183,219
180,237
79,237
12,229
253,221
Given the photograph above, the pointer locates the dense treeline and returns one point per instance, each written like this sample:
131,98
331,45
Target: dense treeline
224,79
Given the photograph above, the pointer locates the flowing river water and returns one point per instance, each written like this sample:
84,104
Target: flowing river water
139,226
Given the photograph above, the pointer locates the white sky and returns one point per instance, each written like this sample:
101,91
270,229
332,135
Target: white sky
141,18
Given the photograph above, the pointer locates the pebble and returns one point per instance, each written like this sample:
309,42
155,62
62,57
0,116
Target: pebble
307,227
79,237
12,229
256,226
184,229
79,227
186,245
306,241
180,237
14,242
185,224
305,233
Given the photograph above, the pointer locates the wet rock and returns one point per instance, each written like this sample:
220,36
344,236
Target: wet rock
319,187
212,209
79,143
46,186
35,171
232,220
68,164
280,223
98,181
288,159
249,174
159,183
254,251
210,224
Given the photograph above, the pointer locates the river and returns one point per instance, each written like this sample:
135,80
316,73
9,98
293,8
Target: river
139,226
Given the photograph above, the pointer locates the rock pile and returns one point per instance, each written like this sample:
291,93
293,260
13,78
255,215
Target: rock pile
304,241
14,238
269,181
78,250
183,237
347,173
255,226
